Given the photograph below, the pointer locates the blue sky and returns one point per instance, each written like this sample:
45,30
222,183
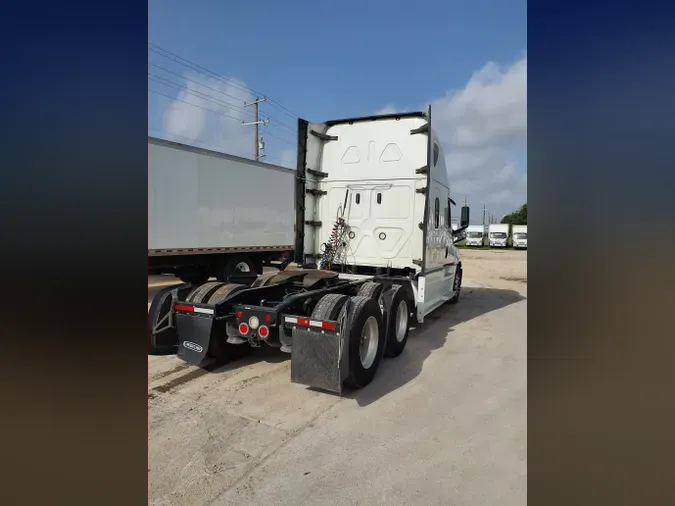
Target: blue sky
324,60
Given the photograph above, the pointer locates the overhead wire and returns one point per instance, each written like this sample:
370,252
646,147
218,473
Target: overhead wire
194,81
199,94
271,119
195,66
218,113
271,122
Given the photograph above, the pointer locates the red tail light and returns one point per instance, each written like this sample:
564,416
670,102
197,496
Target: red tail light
243,329
263,331
239,314
268,317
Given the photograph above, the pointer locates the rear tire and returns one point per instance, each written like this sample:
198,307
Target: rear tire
366,341
371,289
222,292
399,322
329,307
203,292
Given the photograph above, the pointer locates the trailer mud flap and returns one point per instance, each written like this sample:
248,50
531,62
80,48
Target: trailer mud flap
195,337
316,360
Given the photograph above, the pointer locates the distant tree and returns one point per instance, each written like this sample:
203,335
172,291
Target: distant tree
518,217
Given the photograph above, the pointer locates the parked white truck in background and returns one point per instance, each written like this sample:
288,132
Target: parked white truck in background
374,238
519,234
499,234
211,214
474,235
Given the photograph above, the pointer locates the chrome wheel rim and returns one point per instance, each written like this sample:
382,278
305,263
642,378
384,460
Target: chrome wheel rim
401,320
370,336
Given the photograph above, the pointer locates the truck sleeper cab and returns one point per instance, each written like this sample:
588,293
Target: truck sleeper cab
374,238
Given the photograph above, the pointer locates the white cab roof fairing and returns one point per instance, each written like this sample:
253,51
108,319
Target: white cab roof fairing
439,171
372,148
371,168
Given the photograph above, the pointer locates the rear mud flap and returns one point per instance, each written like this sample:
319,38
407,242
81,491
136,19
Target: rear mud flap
317,361
195,337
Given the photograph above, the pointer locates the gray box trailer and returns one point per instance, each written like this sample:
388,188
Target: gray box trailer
211,214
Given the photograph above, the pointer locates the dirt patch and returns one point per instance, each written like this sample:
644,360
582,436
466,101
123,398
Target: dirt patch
514,278
176,369
181,380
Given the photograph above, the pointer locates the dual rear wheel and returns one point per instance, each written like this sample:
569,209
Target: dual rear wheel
372,333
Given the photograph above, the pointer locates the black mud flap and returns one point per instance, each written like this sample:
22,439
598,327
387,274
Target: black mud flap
194,331
317,359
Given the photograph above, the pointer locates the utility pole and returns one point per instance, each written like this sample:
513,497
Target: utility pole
256,123
484,214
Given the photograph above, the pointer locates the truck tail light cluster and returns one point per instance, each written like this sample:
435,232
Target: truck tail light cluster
254,324
310,323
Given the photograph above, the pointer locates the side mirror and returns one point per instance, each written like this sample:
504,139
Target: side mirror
465,217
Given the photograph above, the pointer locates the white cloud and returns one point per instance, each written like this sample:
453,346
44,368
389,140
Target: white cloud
289,158
388,109
491,108
222,131
483,128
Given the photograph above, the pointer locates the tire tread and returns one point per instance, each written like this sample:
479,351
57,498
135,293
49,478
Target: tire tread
203,291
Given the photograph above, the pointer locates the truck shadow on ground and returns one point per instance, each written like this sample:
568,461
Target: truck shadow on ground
422,341
429,336
251,356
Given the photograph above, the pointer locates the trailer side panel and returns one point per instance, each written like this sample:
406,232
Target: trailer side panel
204,199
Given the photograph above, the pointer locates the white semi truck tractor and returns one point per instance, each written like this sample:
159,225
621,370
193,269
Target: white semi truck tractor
375,249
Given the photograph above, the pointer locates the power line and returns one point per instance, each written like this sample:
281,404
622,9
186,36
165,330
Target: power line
274,120
186,62
197,94
193,105
232,81
206,97
216,112
193,81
